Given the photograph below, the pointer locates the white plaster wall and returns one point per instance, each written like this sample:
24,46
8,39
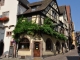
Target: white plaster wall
11,6
26,52
34,18
50,12
55,6
44,38
61,18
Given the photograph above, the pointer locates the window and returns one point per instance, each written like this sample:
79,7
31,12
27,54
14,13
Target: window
33,8
47,9
55,6
36,47
9,33
56,29
29,18
44,12
5,14
2,2
24,44
49,45
52,3
54,14
62,30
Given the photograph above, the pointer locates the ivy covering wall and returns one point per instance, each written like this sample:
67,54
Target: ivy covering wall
25,26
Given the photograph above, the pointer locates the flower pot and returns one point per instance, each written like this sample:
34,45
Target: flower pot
4,19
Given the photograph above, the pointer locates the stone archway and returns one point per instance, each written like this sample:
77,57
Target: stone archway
58,46
49,45
1,47
24,44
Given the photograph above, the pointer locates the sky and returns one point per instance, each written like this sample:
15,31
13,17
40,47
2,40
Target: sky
75,10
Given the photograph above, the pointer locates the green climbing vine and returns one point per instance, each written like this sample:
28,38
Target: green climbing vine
25,26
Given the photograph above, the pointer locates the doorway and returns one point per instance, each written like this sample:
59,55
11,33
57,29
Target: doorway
36,49
1,47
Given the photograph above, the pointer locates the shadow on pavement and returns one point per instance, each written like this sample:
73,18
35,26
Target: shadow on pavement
73,58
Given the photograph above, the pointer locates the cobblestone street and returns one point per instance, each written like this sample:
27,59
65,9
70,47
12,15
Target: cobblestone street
71,55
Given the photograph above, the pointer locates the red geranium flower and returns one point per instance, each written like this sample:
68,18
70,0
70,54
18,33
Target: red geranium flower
4,19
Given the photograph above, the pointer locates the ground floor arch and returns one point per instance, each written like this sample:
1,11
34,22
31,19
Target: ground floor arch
24,43
58,46
49,44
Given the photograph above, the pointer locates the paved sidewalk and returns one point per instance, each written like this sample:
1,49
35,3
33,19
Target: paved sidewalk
57,57
62,56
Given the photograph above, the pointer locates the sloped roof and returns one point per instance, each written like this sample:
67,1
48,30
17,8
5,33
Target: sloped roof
42,6
62,9
24,2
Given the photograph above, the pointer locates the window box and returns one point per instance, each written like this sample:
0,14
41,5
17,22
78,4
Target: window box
3,19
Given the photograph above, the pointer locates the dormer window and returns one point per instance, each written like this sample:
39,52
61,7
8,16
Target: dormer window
33,8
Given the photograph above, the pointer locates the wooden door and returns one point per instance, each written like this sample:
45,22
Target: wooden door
36,49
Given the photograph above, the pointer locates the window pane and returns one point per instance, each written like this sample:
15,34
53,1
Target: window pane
24,43
48,45
2,2
33,8
5,14
52,3
37,46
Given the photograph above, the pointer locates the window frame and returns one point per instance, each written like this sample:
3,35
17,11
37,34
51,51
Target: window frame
54,14
5,14
49,42
2,2
22,42
8,33
33,8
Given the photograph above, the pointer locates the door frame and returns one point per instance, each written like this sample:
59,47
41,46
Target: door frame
40,46
36,51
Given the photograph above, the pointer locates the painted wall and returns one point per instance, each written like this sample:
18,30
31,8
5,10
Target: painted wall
26,52
63,18
12,8
45,52
73,37
50,15
42,41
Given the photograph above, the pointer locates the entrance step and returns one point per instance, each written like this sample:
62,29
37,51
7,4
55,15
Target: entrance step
38,58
